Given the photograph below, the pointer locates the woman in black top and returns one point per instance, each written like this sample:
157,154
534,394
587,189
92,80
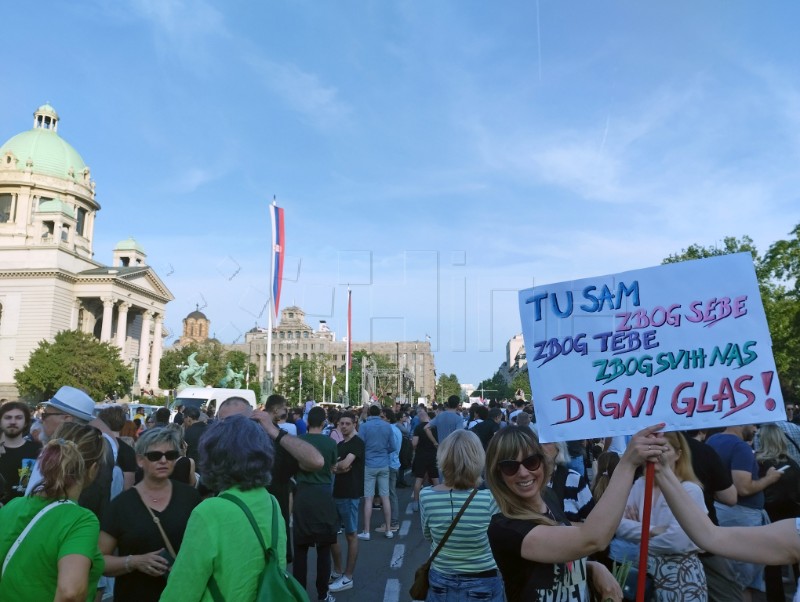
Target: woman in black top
144,560
424,463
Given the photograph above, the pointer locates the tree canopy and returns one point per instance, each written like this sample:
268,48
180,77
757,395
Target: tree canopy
76,359
778,272
448,385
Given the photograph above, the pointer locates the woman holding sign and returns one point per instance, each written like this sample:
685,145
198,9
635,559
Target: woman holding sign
540,555
774,544
673,562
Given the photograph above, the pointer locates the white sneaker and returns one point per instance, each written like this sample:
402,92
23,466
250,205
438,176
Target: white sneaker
334,576
328,598
341,584
365,535
389,535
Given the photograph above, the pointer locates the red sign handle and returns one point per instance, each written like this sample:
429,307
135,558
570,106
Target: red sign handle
649,474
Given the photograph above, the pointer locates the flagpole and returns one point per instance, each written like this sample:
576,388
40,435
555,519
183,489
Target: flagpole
276,263
349,349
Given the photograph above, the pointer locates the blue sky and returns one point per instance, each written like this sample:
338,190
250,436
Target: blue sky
438,155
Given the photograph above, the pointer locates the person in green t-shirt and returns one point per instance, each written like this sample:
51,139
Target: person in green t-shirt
315,518
58,557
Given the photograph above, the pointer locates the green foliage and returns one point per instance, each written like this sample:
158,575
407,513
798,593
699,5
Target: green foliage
76,359
495,387
778,273
521,381
448,385
314,370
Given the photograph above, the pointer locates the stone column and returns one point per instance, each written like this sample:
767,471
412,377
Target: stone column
144,347
122,327
76,312
155,362
108,312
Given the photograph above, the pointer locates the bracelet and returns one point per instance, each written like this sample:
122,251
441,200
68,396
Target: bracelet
280,436
128,564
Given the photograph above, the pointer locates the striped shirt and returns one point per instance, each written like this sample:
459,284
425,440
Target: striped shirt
467,549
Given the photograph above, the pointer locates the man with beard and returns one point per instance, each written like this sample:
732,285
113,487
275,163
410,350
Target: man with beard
732,446
17,454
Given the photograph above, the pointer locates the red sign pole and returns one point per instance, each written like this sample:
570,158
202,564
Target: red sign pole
648,503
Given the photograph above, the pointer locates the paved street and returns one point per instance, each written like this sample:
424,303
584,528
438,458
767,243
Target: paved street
385,567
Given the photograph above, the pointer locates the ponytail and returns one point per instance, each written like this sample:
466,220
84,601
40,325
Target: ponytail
62,467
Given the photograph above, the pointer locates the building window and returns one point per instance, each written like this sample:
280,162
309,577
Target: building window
6,208
305,334
49,229
81,225
65,233
290,314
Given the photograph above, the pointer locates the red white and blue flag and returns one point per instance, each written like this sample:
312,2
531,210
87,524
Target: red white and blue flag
278,253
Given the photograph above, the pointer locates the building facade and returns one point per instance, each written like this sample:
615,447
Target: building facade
49,279
294,339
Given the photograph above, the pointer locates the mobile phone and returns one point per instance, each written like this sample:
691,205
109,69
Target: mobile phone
167,556
783,468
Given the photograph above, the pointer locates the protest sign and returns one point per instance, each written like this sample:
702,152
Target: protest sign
686,344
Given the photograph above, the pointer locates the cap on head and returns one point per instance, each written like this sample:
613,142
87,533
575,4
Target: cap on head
74,402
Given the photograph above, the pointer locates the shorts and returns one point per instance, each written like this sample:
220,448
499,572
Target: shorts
425,465
348,513
373,475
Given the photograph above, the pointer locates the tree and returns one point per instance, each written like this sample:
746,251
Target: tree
521,381
76,359
778,273
448,385
495,387
313,370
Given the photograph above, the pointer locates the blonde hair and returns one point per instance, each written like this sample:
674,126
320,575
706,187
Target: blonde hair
771,443
62,467
461,458
507,444
683,465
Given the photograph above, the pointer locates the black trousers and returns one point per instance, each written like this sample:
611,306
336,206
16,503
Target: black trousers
300,566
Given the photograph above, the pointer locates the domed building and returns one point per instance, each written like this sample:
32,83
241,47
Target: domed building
49,279
195,328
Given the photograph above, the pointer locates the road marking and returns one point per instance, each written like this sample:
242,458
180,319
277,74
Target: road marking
392,591
404,527
409,508
397,556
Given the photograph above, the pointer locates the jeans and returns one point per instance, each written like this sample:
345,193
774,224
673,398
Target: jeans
452,588
393,495
746,574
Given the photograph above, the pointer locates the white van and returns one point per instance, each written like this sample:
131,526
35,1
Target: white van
210,397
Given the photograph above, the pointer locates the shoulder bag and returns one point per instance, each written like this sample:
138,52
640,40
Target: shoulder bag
27,530
274,583
419,590
170,550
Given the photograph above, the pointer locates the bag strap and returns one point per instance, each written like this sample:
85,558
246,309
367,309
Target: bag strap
213,586
27,530
452,525
167,543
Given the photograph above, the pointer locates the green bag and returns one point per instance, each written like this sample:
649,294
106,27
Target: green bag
274,583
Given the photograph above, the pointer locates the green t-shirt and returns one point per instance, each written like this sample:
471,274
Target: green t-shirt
32,573
327,447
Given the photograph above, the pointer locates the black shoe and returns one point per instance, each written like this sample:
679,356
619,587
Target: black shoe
401,485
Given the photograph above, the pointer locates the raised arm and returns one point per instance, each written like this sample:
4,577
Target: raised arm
562,544
777,543
307,456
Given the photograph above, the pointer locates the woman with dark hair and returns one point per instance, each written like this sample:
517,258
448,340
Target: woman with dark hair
48,544
424,463
541,556
129,526
236,457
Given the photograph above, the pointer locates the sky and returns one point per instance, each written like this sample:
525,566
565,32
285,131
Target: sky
434,156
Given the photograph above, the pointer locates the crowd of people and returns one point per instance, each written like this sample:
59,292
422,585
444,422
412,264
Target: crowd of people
178,507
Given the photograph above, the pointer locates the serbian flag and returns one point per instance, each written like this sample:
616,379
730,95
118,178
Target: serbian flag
278,253
349,329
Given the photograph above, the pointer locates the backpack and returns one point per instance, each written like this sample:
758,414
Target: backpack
274,583
406,452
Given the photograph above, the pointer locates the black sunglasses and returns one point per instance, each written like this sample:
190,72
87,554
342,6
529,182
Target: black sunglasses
510,467
155,456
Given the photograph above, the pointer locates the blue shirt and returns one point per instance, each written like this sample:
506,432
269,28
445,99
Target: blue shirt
300,424
378,442
446,422
397,439
737,455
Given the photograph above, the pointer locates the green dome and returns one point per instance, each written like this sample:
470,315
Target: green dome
129,244
56,206
47,152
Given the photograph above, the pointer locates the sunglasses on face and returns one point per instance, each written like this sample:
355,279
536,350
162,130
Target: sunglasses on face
155,456
511,467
